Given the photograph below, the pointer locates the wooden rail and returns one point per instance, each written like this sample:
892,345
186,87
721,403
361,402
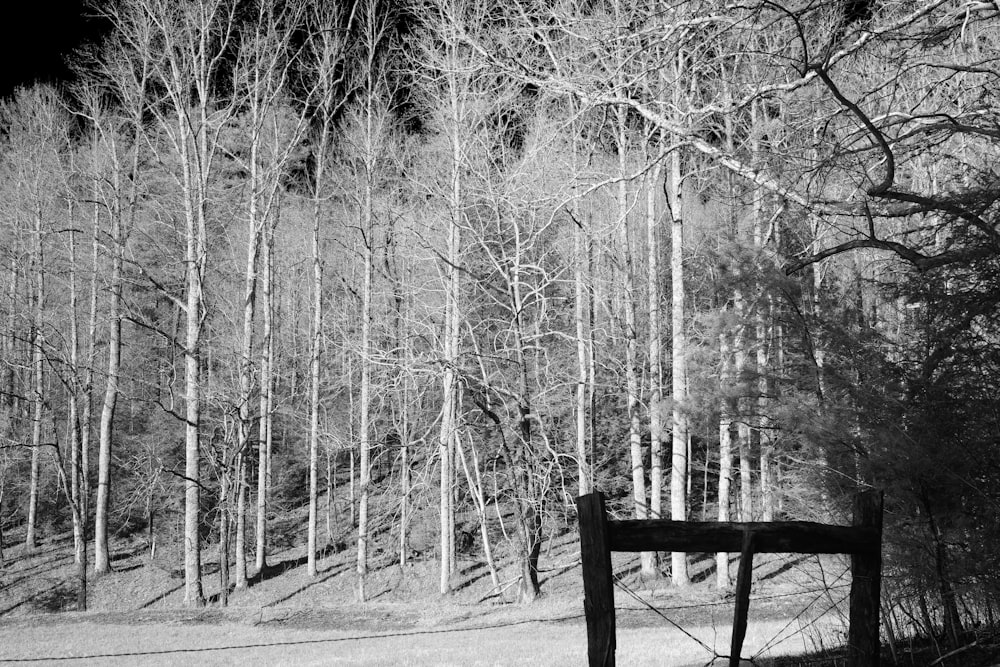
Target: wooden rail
862,540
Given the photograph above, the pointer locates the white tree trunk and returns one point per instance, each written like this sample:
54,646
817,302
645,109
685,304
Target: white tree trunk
580,253
264,429
655,367
722,578
78,488
364,421
38,385
679,444
449,410
632,389
316,333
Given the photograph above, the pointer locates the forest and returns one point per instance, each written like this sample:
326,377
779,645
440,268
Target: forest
460,260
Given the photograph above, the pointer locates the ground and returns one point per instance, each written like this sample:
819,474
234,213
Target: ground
137,616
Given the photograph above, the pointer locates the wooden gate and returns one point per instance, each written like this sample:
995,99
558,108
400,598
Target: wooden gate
863,541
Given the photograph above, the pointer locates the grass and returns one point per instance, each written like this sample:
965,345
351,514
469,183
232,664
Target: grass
137,615
190,640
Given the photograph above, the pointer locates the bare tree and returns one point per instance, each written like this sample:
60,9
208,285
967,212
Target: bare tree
262,73
185,47
324,58
116,141
367,137
78,489
449,77
36,142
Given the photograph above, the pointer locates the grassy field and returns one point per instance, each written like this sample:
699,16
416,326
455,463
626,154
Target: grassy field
137,615
172,640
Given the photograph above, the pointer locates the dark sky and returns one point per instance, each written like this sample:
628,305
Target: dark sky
35,36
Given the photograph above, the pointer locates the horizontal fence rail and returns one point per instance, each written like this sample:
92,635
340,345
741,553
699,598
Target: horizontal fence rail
712,537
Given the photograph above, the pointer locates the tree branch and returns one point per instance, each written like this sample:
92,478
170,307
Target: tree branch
890,160
921,261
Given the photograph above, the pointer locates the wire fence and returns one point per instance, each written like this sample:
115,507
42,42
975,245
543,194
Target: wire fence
797,624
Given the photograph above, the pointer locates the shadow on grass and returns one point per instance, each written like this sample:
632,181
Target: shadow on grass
125,555
40,565
555,572
704,574
786,566
471,575
631,569
42,596
161,596
27,573
328,574
271,571
129,568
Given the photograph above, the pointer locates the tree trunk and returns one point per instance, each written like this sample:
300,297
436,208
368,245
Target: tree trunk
655,368
364,422
88,382
679,445
762,346
479,497
256,225
632,388
403,356
10,341
73,390
746,470
314,408
742,409
240,544
192,445
316,331
195,259
525,478
449,414
767,491
77,477
224,530
444,449
404,504
949,599
331,490
102,563
818,346
722,579
584,475
38,385
404,452
264,429
2,560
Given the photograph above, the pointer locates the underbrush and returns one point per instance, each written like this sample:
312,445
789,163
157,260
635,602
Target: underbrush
977,649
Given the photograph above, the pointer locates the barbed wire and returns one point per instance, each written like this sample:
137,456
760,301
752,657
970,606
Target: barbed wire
754,598
620,584
775,639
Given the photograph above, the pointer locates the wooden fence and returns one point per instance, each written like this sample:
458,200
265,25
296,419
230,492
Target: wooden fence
599,536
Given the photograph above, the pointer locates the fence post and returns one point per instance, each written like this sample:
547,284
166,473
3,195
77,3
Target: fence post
598,594
743,583
863,645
